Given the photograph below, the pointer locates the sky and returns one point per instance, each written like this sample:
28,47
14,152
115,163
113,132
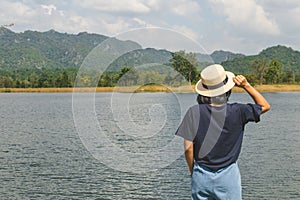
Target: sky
239,26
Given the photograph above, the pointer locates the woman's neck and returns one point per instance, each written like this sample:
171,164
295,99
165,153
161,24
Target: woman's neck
217,105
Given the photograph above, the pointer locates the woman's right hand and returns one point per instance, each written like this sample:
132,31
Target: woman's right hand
240,81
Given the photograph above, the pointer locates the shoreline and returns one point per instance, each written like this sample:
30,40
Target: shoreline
147,88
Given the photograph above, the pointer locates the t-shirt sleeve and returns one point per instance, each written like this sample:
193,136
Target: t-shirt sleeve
251,113
189,125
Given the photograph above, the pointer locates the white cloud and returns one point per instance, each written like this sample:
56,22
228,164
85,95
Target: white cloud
241,26
161,38
279,4
187,32
34,17
287,15
184,7
49,8
134,6
62,13
15,10
155,5
71,23
18,13
293,18
140,22
247,15
115,27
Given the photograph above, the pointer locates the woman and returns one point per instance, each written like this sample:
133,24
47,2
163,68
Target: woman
213,132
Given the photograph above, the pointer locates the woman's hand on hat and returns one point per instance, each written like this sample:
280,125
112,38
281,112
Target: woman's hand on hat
240,81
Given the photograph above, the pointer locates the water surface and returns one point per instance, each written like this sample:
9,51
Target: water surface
42,155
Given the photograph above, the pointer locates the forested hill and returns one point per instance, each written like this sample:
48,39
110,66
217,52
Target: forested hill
52,59
288,58
51,49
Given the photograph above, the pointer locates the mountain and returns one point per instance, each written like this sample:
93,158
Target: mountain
161,56
49,49
204,58
221,56
286,55
141,57
288,58
216,57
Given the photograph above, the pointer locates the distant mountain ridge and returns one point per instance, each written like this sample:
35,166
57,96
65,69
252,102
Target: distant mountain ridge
288,58
51,49
47,49
221,56
61,50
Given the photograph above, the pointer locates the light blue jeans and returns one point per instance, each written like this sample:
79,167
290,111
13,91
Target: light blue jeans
224,184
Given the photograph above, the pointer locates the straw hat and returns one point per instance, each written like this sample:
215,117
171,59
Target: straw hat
214,81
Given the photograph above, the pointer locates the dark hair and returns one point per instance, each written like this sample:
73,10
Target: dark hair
221,99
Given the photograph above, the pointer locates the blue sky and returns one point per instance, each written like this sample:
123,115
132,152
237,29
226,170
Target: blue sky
242,26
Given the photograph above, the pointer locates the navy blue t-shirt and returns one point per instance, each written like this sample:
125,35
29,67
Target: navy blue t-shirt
217,131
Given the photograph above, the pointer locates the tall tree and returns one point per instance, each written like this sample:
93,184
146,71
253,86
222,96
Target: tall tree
259,66
273,72
185,64
63,80
128,76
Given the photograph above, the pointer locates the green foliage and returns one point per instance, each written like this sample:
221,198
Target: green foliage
259,67
278,64
139,58
48,49
128,77
251,78
289,58
220,56
241,65
274,72
186,64
52,59
36,78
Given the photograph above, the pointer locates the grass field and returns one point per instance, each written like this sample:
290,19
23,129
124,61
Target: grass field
149,88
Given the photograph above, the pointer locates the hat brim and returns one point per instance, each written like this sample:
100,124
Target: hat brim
216,92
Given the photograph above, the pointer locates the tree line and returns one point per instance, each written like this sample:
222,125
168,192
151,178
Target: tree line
271,72
185,64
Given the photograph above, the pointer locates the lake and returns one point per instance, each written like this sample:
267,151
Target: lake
122,146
